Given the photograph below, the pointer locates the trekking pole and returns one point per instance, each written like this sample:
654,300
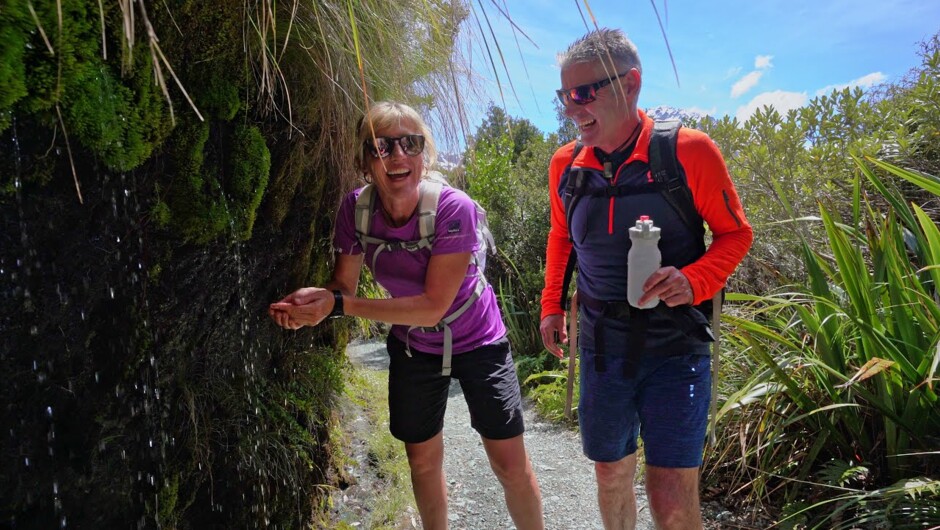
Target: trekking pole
572,351
716,351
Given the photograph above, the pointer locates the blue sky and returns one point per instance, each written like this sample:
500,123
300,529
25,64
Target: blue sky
732,56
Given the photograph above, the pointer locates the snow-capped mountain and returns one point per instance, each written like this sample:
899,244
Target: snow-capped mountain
448,161
664,112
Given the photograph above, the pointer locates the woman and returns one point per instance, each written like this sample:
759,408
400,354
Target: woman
427,286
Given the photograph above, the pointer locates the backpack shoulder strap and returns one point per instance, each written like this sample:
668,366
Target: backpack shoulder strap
574,189
430,196
365,205
666,171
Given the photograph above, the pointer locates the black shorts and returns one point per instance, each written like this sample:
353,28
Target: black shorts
417,392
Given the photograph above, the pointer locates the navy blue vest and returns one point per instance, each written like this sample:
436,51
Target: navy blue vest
602,255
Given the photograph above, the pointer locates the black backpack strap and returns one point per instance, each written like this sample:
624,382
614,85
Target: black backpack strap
670,177
574,190
574,187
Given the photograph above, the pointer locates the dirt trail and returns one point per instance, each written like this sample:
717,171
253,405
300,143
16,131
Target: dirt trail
565,476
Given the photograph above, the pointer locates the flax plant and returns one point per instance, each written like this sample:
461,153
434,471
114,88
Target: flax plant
843,369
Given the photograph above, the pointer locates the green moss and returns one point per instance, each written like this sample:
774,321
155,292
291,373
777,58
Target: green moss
198,205
193,193
99,113
250,167
154,272
14,24
167,499
219,99
160,214
284,184
118,116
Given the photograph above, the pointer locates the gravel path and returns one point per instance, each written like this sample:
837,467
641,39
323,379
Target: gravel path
565,476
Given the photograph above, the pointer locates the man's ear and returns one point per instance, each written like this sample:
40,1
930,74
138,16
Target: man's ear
634,80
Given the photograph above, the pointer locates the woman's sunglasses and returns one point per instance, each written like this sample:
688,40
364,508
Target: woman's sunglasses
382,146
584,94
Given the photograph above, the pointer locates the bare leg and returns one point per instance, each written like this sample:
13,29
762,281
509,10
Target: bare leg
426,460
615,493
673,496
510,463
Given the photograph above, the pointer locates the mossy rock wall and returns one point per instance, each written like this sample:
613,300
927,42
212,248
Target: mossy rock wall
143,383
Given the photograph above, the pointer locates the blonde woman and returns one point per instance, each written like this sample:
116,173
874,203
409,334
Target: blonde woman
444,316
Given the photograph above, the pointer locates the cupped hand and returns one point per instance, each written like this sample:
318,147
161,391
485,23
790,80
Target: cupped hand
304,307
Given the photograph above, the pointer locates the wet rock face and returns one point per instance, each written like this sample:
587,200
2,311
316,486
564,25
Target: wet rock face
142,382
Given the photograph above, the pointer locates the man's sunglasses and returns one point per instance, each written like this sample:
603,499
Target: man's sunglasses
584,94
382,146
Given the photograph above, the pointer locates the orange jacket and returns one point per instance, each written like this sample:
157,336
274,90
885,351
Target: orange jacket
714,196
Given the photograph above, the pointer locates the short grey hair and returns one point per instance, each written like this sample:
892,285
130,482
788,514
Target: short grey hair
602,45
385,115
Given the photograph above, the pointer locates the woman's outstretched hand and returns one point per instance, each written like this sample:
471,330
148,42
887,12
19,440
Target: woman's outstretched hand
304,307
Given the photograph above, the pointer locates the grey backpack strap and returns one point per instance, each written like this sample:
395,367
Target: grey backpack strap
444,325
430,196
365,205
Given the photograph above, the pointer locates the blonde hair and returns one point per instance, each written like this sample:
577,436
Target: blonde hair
385,115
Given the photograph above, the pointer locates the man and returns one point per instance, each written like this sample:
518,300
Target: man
642,372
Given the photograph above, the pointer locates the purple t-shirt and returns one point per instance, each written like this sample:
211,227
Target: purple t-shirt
402,272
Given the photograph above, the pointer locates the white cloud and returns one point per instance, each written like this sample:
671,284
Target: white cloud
733,72
745,83
865,81
702,112
778,99
763,61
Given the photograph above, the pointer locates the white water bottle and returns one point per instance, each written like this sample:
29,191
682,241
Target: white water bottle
643,260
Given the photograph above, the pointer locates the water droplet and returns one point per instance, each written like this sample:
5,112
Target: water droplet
55,487
111,290
62,523
97,378
49,411
34,330
27,461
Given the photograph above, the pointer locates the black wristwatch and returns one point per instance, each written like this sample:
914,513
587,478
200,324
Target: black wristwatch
337,305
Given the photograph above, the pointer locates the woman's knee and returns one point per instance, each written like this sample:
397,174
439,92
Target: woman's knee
426,457
508,459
